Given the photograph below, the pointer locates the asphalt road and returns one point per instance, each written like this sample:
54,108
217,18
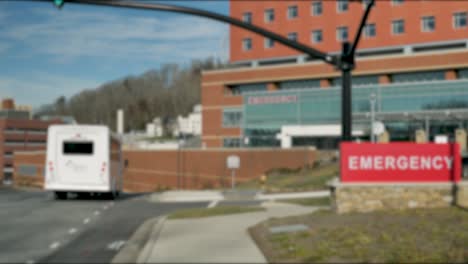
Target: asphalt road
36,228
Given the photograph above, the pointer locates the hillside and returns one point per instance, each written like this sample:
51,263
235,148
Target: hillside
166,92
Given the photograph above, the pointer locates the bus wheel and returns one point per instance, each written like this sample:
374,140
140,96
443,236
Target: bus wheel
60,195
111,195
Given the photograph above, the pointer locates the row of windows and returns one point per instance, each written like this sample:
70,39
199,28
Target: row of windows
232,117
316,9
428,24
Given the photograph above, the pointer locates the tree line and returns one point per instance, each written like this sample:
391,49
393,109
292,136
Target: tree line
166,92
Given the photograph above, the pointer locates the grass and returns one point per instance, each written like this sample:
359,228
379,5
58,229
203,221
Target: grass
409,236
207,212
322,201
284,180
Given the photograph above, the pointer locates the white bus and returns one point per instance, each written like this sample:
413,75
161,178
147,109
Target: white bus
83,159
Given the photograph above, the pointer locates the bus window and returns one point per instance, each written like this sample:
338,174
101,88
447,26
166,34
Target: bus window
77,148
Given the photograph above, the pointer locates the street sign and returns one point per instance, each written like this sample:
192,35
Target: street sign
233,162
400,162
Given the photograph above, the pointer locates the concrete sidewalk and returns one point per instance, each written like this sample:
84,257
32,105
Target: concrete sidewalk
214,195
219,239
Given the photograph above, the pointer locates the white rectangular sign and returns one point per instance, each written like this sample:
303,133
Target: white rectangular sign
233,162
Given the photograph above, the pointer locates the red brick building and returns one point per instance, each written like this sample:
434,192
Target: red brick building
18,133
408,48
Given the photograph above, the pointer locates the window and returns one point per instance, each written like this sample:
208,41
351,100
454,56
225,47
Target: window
365,3
292,36
397,2
342,33
248,88
247,17
299,84
232,117
247,44
459,20
398,27
427,24
269,43
369,30
317,36
317,8
269,15
231,142
292,12
418,76
79,148
342,6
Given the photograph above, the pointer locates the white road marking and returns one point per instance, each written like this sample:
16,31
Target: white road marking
116,245
105,207
86,221
72,231
96,213
213,204
30,262
54,245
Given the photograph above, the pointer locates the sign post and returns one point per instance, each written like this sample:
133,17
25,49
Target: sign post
233,163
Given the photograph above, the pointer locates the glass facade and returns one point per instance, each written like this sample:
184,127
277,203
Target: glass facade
231,142
232,117
265,113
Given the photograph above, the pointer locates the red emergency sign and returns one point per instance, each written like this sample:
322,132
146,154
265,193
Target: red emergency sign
400,162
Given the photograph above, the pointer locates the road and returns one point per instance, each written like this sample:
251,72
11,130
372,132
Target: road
36,228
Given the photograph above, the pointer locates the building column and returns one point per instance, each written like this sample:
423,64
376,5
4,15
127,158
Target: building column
325,83
271,87
450,75
384,79
286,142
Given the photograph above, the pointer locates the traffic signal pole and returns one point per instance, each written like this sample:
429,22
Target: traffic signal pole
344,62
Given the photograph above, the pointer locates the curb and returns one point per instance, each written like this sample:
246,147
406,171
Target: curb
134,246
145,253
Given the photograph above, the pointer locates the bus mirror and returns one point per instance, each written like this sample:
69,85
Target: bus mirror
126,163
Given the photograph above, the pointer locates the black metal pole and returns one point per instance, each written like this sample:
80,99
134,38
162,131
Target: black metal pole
346,107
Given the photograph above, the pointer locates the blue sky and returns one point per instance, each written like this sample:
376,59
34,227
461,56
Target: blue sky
46,52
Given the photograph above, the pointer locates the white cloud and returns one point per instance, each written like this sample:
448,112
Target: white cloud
71,35
41,88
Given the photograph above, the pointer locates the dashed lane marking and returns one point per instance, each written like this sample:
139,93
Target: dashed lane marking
54,245
213,204
72,231
96,212
86,221
116,245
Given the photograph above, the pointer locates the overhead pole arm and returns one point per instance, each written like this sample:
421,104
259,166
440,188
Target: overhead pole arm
369,6
314,53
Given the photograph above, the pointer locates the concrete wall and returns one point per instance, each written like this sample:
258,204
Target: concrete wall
187,169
